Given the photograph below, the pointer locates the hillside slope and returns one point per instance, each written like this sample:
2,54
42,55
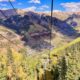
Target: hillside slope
9,38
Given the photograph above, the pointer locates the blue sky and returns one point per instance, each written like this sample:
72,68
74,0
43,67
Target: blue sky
42,5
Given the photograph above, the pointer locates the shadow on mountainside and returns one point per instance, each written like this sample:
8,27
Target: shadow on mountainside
63,27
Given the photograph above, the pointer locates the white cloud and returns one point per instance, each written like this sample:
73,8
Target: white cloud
57,11
72,6
3,4
3,8
53,11
19,3
35,1
6,0
43,7
33,8
46,12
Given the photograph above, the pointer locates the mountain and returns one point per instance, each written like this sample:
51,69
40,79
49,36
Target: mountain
8,13
11,12
42,20
32,27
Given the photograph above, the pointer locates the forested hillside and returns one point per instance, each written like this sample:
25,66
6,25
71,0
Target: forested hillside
64,64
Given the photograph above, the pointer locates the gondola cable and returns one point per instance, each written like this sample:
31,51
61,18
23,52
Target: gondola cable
4,36
14,9
12,6
3,14
11,42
